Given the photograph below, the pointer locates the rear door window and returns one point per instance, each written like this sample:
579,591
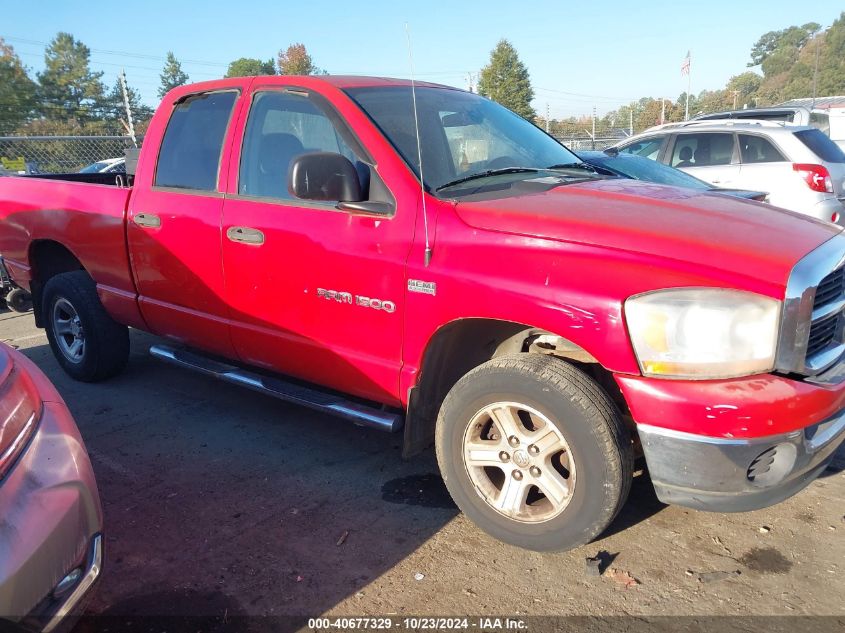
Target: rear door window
821,145
647,147
756,149
705,149
189,157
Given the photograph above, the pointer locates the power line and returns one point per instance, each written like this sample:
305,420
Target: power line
579,94
121,65
101,51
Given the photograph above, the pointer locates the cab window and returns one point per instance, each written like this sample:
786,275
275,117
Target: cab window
189,157
702,150
281,126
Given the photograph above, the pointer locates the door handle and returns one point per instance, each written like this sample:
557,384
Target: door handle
147,220
245,235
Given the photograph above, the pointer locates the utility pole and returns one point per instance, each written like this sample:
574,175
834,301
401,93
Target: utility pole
662,110
816,69
130,127
631,121
547,117
689,86
594,127
471,82
736,94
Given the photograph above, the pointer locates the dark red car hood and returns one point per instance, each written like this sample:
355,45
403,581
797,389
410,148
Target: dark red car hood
749,238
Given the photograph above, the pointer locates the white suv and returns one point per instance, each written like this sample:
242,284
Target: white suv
799,167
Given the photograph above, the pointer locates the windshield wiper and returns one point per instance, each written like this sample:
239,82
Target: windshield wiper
584,166
487,173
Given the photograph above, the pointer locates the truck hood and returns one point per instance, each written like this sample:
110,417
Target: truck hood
712,230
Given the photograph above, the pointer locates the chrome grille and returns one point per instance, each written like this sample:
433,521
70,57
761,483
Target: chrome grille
830,289
812,333
822,334
826,341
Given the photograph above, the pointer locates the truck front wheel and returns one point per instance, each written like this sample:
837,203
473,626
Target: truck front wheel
534,452
89,345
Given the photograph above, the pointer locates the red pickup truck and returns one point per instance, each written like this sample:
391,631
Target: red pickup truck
482,289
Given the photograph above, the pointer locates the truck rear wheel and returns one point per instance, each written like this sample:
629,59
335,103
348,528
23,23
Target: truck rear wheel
89,345
534,452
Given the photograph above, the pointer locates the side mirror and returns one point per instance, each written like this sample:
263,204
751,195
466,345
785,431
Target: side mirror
324,176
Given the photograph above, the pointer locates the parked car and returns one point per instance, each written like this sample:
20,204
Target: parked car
613,163
51,546
537,322
800,167
108,166
825,113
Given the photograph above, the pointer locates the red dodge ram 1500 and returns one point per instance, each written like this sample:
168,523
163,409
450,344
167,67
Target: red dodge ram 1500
485,289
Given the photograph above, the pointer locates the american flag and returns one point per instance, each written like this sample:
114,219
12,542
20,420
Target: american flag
685,64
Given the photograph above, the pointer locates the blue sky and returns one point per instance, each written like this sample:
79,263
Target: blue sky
579,54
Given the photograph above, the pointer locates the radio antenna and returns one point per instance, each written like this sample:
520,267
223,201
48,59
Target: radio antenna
419,147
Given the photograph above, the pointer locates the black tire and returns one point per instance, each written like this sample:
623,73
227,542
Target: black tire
582,412
19,300
106,343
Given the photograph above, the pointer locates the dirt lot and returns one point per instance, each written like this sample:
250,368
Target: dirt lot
219,501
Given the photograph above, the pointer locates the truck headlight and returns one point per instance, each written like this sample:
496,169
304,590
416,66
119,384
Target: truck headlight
703,332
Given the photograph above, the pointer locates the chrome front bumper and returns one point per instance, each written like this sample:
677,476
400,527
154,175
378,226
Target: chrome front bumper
736,475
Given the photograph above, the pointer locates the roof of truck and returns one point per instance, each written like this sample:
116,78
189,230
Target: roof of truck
338,81
360,81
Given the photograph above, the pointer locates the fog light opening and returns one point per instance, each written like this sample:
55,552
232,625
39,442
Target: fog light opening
67,583
772,466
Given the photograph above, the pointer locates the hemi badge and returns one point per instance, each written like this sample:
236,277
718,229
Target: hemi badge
425,287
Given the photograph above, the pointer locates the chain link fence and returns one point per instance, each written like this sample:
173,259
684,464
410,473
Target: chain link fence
58,154
68,154
577,137
581,143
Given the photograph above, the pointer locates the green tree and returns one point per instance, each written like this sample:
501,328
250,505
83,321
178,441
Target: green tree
831,75
789,70
505,80
746,86
172,75
67,86
114,110
247,67
295,60
17,90
781,45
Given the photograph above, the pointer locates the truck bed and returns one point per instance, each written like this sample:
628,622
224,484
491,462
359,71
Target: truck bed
86,213
114,180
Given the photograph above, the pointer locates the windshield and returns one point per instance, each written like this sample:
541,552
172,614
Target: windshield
94,168
463,134
644,169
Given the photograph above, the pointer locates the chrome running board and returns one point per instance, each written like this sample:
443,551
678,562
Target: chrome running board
313,399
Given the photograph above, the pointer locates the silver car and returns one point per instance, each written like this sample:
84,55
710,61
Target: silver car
800,167
51,522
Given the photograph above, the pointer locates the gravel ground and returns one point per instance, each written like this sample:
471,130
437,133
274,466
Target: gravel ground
222,502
